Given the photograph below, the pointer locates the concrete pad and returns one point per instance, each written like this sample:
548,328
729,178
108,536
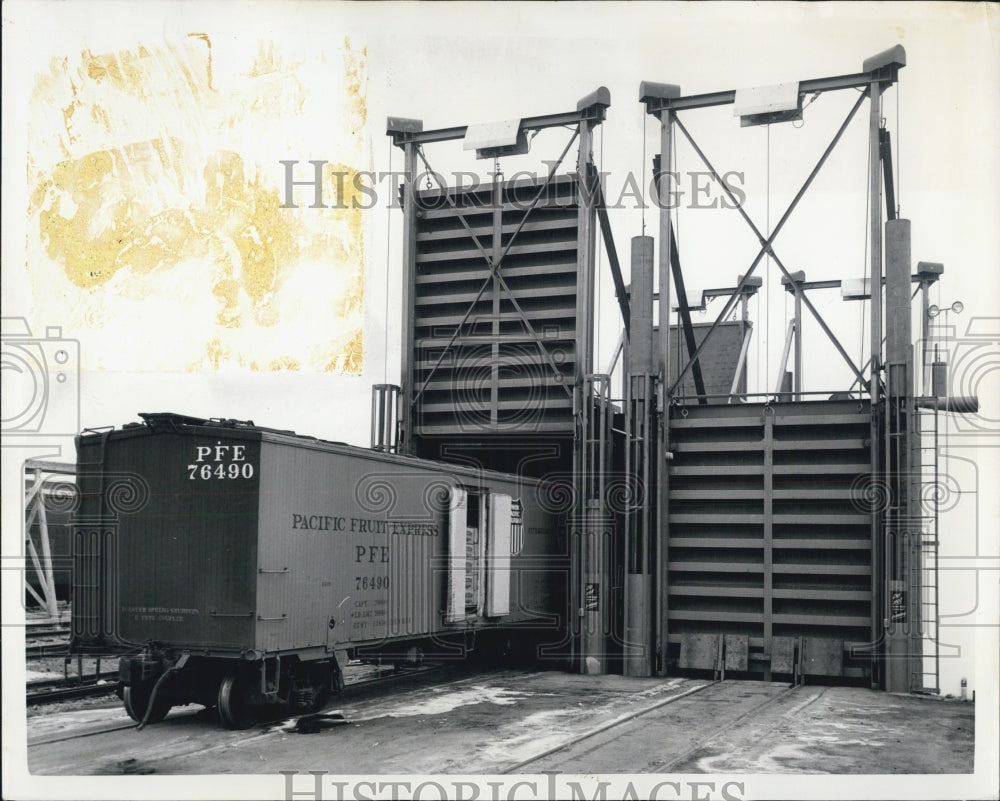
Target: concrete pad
529,721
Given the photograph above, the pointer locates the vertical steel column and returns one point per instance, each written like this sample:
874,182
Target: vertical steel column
585,238
596,526
495,255
640,464
875,231
879,611
585,532
937,575
794,283
767,419
407,444
925,333
798,343
663,463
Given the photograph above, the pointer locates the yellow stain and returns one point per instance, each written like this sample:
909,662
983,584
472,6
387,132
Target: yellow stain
145,206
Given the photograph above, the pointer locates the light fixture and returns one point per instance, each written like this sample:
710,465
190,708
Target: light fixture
763,105
957,308
492,140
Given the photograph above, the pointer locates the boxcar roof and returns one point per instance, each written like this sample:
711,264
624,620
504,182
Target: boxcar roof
168,422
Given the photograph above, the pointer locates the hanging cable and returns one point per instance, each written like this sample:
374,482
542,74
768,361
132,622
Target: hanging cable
864,258
899,150
642,171
785,294
767,264
598,270
388,251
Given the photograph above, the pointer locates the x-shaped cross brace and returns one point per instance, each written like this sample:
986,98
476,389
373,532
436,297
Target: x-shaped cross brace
766,243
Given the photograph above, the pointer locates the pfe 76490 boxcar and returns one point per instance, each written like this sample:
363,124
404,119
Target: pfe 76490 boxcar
230,563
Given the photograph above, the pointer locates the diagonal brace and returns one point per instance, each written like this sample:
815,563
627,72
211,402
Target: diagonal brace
765,243
781,266
609,247
685,313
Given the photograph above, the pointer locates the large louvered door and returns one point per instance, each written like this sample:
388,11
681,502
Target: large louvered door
770,546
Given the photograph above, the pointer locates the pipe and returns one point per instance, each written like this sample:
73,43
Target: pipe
961,404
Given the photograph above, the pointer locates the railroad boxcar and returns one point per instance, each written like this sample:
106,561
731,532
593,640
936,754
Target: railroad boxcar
229,563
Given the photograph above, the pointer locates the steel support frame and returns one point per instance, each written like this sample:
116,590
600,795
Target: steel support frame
406,442
409,135
886,66
884,71
40,553
621,293
590,109
663,101
591,442
766,242
494,259
661,631
588,646
880,567
592,526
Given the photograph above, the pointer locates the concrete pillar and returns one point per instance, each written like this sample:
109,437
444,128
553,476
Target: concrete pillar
641,307
641,406
902,464
898,330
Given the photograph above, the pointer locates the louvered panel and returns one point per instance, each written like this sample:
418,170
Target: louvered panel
479,274
495,357
767,537
472,252
483,228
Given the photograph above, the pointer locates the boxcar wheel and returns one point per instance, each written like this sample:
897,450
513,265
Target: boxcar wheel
234,707
137,702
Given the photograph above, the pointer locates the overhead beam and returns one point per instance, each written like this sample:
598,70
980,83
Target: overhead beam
591,108
836,283
882,68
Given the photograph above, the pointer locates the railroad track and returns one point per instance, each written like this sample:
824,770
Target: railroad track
40,650
46,639
353,690
50,691
632,717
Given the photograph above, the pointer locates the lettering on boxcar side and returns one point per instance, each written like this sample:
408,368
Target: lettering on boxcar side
318,522
220,462
169,614
306,521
